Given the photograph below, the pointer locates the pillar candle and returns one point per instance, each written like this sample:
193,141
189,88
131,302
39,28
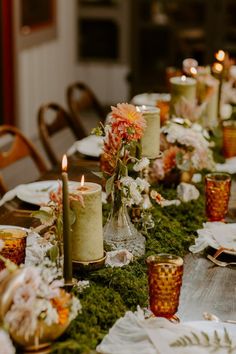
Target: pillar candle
67,265
151,137
205,82
87,231
181,87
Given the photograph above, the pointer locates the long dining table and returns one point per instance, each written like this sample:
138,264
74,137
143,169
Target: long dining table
206,287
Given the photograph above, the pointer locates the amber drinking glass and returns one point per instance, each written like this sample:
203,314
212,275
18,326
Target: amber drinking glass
165,279
229,138
14,246
164,106
217,192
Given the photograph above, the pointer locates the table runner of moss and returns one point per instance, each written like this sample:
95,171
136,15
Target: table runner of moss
113,291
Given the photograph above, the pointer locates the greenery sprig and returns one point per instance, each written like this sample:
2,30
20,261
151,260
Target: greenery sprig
216,342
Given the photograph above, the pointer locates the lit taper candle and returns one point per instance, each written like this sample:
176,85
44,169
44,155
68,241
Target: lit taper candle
67,265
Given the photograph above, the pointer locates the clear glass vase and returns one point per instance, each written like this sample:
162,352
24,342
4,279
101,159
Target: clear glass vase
120,233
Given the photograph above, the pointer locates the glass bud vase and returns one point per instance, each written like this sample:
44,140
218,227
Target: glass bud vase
120,233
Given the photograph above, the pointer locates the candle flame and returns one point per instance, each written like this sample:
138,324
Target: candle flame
64,163
82,181
183,78
220,55
217,67
193,71
138,109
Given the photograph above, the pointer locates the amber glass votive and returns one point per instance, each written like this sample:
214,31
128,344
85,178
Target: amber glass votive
165,279
164,106
229,138
217,192
14,245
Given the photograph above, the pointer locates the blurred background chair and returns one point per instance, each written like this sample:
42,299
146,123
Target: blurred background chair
55,126
15,147
84,106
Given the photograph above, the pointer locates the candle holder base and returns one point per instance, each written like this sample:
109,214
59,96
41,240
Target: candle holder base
69,284
88,266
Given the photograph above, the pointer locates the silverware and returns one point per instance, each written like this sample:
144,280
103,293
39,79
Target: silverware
220,263
211,317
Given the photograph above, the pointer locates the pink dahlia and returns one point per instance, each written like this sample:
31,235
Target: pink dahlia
127,122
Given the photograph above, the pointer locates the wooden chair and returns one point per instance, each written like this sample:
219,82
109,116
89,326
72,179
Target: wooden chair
84,106
20,148
52,119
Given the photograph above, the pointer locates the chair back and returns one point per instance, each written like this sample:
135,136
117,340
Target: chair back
84,106
19,148
52,118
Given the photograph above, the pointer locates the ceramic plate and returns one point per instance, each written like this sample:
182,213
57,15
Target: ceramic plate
38,192
218,235
150,99
90,146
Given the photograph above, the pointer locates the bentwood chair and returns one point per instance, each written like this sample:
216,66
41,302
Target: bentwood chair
84,106
18,148
53,120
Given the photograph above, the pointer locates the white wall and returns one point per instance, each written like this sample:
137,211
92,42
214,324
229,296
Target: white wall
44,71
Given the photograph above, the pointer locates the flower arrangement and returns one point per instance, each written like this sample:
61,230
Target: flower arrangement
122,167
186,149
41,298
121,154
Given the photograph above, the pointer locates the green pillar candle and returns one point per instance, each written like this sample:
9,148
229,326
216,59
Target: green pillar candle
87,231
212,107
151,137
67,265
181,86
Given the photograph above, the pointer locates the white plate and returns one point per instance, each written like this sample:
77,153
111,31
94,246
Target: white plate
38,192
150,99
91,146
216,235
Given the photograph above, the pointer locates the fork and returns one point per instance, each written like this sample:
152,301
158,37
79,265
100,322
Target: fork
220,263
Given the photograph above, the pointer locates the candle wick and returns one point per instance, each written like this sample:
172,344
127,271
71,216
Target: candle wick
83,188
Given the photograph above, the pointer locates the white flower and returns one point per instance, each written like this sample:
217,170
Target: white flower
141,164
6,346
22,319
81,285
142,184
24,294
75,308
1,244
46,308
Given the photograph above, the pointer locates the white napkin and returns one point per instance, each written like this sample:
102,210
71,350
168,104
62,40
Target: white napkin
12,194
133,334
91,145
229,166
216,235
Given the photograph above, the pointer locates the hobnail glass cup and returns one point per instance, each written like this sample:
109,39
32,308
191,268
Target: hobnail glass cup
165,273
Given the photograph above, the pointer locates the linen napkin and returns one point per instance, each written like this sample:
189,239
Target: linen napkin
229,165
90,145
133,334
12,194
216,235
